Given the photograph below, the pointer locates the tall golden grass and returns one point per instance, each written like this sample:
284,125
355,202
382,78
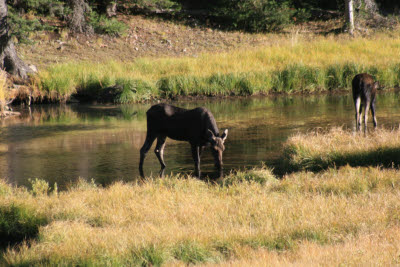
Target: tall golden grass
181,220
308,64
318,150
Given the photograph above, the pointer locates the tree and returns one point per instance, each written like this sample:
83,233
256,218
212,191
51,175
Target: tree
9,60
349,6
77,22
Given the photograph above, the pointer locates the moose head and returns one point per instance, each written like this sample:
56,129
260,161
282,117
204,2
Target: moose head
217,147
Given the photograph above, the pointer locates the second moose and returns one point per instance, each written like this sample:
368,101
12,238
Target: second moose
364,91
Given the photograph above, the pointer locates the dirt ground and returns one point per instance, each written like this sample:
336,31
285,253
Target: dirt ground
152,37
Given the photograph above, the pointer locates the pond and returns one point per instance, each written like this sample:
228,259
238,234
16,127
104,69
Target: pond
60,143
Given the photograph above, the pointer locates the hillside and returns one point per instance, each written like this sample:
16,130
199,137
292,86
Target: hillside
154,37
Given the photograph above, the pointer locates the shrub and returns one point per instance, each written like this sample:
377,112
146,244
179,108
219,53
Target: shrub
37,6
39,187
104,25
257,15
21,27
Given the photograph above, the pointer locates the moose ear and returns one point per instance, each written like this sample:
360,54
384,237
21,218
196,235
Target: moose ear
224,135
210,135
377,85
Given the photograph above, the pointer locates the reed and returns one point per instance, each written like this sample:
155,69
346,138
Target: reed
181,220
309,64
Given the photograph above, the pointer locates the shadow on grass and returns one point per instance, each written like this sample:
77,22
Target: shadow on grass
382,157
18,224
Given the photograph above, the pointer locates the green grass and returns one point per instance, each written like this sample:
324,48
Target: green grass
308,65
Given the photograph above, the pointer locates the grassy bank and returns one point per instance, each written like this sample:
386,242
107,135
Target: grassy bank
317,150
295,64
180,220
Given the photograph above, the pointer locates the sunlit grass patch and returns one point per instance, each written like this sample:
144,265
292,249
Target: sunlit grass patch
316,151
182,220
260,175
345,181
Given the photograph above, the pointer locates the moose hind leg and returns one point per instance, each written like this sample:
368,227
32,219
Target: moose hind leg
373,113
358,107
366,111
196,151
143,151
159,150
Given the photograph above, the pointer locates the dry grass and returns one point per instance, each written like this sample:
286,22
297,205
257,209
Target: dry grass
2,91
373,249
319,150
182,220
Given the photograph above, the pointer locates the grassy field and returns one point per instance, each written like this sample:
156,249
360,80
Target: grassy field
317,150
345,216
294,64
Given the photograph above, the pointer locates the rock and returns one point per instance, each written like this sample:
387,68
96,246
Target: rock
33,68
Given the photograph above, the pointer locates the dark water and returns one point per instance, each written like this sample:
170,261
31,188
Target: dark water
61,143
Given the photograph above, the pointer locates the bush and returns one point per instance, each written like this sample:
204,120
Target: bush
21,27
257,15
132,91
104,25
43,7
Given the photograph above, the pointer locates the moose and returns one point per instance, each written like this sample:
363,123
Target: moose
196,126
364,91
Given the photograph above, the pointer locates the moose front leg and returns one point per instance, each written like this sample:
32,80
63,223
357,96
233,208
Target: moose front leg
159,150
196,150
143,151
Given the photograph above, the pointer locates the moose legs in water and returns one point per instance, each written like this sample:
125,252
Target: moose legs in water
159,151
359,107
143,151
196,154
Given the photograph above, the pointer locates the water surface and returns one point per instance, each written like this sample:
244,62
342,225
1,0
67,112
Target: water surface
60,143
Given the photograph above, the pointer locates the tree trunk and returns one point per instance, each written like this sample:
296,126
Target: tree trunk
350,15
78,22
111,9
9,61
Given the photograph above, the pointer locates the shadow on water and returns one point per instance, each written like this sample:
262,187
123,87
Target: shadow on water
61,143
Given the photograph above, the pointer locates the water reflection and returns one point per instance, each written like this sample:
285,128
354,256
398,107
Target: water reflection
62,143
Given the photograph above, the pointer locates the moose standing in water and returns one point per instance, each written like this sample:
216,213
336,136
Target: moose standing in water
364,91
196,126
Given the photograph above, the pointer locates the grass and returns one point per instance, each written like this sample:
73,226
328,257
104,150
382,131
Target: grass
304,65
181,220
2,92
317,151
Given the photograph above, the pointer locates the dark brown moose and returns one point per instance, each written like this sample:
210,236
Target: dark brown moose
196,126
364,91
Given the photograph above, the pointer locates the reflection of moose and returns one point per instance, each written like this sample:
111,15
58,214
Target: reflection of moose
197,126
364,91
